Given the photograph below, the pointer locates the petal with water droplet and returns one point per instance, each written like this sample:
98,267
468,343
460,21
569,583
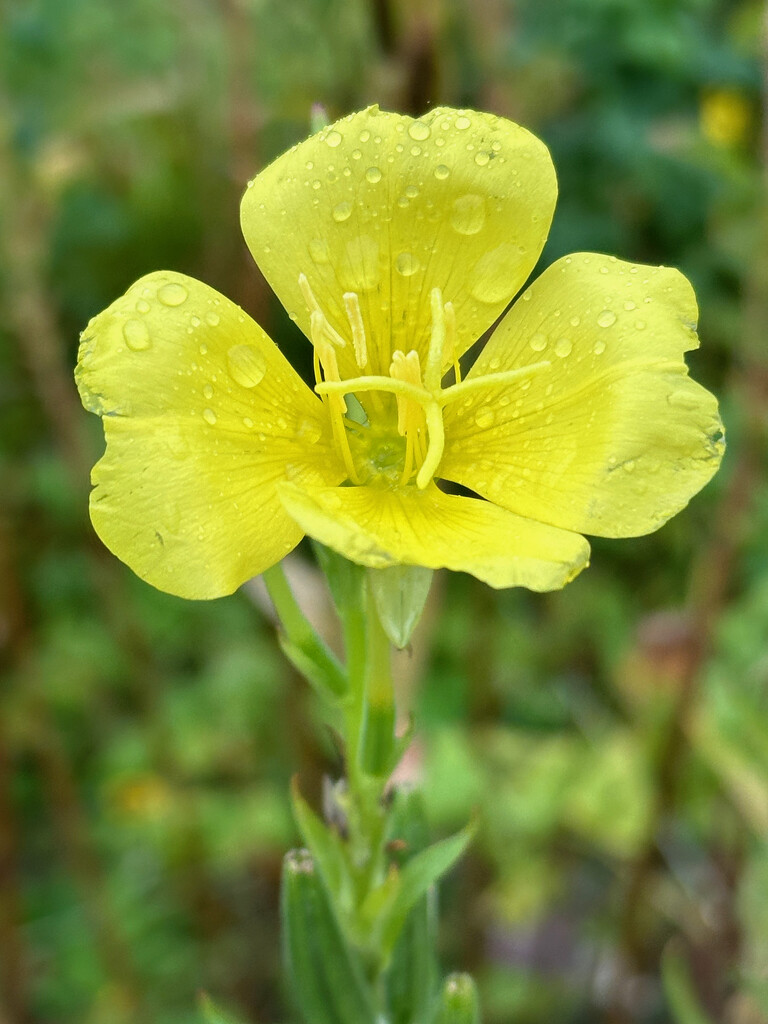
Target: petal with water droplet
474,230
379,528
210,453
613,438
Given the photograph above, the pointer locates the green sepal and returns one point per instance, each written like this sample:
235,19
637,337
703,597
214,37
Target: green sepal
459,1002
325,975
400,593
345,578
211,1013
326,847
318,665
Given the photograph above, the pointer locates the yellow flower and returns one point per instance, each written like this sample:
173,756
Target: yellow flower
395,244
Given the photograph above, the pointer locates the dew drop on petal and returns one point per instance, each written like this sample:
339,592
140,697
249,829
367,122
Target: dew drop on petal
209,416
246,365
640,325
599,348
563,347
333,139
373,175
462,123
208,391
538,342
407,264
419,131
212,319
342,212
482,158
136,335
442,172
172,294
142,306
248,422
318,250
629,305
606,319
309,430
484,417
468,214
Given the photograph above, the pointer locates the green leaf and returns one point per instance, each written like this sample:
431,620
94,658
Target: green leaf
679,990
411,978
459,1002
400,593
417,876
325,974
318,666
325,845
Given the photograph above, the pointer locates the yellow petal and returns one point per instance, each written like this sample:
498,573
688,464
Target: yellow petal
390,207
203,417
614,438
379,528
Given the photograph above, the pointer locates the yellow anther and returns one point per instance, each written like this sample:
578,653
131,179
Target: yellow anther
407,369
314,311
451,350
433,371
352,306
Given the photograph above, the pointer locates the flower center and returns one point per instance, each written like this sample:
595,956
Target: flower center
399,435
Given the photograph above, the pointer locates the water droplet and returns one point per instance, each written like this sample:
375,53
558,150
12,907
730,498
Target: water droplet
407,264
365,135
317,184
599,348
419,131
333,139
318,250
373,174
246,365
468,214
606,319
208,391
142,306
248,422
629,305
640,325
484,417
136,335
442,172
482,158
683,400
172,294
356,154
563,347
203,349
575,321
342,212
538,342
462,123
212,319
309,430
209,416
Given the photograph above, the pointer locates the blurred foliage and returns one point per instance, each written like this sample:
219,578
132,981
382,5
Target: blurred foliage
613,737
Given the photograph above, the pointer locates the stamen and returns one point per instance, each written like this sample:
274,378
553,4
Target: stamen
436,444
405,368
488,379
433,372
314,308
352,306
450,339
325,358
387,384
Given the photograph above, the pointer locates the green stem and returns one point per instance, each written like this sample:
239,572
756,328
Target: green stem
301,643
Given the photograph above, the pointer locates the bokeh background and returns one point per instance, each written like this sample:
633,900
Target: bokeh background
613,737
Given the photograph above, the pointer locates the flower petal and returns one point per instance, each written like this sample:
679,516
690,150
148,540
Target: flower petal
203,417
613,438
379,528
390,207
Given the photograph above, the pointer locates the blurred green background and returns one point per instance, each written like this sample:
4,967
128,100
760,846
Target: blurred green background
614,737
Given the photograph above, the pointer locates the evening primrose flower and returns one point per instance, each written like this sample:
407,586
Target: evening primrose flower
395,244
